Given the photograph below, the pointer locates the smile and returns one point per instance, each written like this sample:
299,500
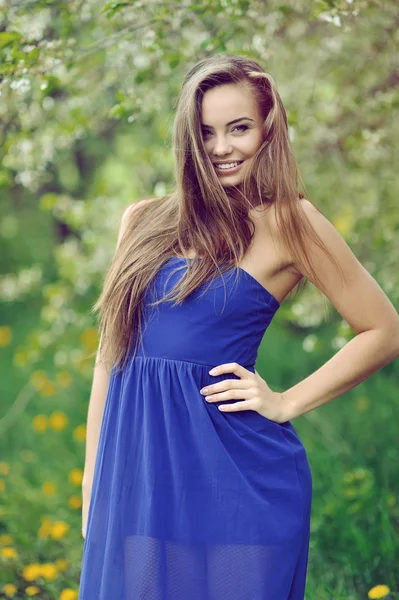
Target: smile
228,168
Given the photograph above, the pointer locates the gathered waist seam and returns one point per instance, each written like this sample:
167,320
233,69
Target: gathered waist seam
182,360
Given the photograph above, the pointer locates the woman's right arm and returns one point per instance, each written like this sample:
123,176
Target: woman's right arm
99,390
98,396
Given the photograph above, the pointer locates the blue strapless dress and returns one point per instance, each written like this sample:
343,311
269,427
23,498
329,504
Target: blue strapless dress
188,502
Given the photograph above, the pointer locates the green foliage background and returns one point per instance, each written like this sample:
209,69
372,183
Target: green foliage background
87,101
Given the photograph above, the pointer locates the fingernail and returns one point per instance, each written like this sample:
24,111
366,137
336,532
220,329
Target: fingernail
213,371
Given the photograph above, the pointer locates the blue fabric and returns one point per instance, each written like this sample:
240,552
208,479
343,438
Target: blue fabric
188,502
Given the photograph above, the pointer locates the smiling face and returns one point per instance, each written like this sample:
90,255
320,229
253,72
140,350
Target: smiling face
227,141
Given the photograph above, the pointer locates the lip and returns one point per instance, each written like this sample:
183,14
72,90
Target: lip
228,171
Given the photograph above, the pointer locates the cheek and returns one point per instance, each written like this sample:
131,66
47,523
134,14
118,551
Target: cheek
256,142
251,145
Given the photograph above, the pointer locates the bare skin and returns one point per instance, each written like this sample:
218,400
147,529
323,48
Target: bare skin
267,259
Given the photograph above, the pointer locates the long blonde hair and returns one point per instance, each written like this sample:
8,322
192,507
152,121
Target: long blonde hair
200,214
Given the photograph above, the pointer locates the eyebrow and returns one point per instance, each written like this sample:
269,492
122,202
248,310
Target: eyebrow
231,122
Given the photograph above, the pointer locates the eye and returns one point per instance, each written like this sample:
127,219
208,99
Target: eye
244,126
207,132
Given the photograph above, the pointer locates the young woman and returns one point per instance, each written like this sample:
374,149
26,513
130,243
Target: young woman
196,485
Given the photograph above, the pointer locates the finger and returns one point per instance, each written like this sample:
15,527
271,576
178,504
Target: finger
236,407
225,384
246,394
230,368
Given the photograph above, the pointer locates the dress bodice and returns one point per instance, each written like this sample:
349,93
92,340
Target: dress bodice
221,321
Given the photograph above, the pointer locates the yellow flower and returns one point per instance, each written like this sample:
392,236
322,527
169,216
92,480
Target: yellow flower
391,500
46,527
48,389
76,476
40,423
20,357
49,571
46,520
5,336
5,539
2,485
44,531
68,594
61,564
75,501
10,589
89,339
378,591
4,468
58,420
63,379
59,529
32,590
31,572
79,433
49,488
8,552
38,379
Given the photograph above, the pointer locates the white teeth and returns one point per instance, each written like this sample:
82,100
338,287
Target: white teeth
227,166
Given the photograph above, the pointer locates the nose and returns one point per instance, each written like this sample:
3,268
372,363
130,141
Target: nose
221,147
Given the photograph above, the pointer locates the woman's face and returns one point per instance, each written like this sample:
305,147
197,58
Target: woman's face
228,142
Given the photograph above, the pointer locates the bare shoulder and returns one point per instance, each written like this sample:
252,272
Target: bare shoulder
327,233
309,208
286,259
283,256
132,208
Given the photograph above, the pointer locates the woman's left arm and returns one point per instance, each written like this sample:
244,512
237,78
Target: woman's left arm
363,305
